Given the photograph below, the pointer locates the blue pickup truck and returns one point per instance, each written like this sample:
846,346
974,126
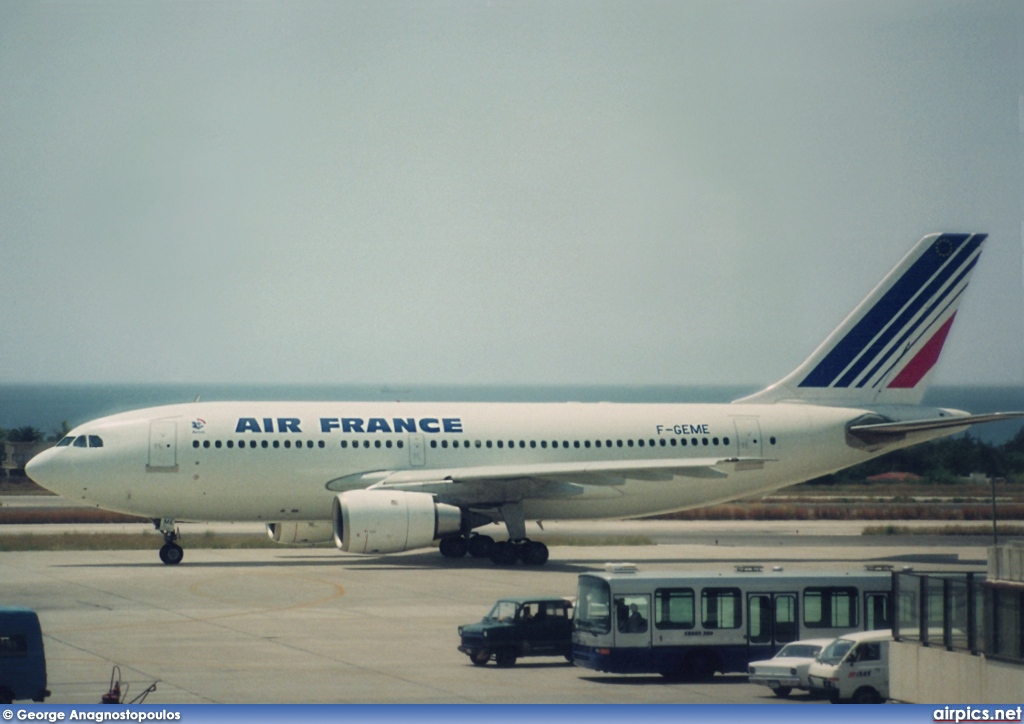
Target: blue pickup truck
517,627
22,661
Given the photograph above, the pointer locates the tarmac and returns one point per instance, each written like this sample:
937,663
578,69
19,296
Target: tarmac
319,626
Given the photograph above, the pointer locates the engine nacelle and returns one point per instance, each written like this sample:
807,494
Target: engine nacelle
302,532
390,521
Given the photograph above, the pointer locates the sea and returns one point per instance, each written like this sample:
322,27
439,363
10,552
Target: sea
47,407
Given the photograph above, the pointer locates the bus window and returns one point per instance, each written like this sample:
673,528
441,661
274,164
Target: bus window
631,615
721,608
876,612
593,606
673,608
830,607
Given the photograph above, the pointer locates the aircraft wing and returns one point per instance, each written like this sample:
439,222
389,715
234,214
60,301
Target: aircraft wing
498,483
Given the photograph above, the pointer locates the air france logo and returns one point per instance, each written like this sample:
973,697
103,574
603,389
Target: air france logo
198,424
353,424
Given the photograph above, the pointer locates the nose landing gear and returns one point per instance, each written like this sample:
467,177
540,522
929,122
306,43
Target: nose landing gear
171,553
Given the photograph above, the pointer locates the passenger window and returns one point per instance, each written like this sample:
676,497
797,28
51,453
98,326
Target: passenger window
13,645
830,607
721,608
631,614
868,652
673,608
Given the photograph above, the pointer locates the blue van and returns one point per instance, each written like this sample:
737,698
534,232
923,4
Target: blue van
22,661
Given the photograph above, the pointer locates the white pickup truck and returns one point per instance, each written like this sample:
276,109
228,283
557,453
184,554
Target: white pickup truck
854,667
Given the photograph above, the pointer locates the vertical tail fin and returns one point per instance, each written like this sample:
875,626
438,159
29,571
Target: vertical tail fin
885,349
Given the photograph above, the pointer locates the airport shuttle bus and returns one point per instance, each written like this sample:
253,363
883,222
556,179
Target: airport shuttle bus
691,625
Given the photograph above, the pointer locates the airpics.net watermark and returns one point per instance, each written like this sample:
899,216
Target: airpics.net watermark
976,714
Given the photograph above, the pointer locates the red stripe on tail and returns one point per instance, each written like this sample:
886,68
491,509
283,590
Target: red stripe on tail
924,360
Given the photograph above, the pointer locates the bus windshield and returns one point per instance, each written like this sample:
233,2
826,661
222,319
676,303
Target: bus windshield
593,605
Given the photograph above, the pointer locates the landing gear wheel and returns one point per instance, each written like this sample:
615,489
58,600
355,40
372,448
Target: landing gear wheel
454,547
480,546
171,554
480,658
505,659
504,554
533,553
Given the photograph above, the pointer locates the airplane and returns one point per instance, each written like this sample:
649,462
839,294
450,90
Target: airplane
381,478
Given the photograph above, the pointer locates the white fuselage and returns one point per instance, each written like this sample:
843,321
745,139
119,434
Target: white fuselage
273,461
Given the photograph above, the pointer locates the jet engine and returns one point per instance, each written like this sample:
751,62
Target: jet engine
390,521
302,532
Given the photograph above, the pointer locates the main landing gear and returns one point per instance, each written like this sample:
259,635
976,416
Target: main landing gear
502,553
171,553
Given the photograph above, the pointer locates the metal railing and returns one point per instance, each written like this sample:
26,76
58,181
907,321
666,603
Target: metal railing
960,612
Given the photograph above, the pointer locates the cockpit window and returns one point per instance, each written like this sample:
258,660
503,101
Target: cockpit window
82,441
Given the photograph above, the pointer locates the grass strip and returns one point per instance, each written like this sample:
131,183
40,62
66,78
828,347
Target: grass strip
149,540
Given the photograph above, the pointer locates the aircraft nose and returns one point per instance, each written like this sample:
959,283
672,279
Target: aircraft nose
41,469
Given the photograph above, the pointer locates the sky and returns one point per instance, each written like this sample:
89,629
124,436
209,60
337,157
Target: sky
528,192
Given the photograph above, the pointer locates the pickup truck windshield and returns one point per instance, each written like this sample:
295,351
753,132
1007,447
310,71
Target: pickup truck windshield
502,611
835,651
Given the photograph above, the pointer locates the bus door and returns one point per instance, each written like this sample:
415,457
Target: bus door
877,610
633,629
772,622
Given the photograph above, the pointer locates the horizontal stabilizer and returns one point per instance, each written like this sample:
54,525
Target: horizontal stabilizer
875,434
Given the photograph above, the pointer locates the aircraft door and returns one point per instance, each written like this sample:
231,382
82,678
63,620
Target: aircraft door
417,453
771,623
748,437
163,446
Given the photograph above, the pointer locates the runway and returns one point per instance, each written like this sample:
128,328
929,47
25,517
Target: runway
318,626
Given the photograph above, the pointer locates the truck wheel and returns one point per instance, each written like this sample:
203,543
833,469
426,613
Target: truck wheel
866,695
782,692
481,657
505,658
